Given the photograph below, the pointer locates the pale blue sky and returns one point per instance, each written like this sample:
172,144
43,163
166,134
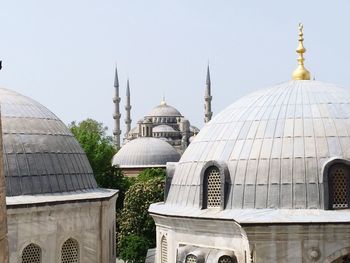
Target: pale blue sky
63,53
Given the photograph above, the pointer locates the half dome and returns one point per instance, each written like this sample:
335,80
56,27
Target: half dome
41,155
145,152
274,144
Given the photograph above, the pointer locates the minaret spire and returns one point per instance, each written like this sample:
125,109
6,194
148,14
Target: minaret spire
207,98
301,73
116,115
128,110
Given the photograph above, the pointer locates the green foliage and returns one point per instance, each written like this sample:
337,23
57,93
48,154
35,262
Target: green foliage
134,218
150,173
97,145
134,248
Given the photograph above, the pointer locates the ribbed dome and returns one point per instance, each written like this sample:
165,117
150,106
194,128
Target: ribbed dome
145,152
40,153
164,110
275,143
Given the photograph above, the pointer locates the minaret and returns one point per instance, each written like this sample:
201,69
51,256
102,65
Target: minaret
207,98
128,110
116,115
301,73
3,222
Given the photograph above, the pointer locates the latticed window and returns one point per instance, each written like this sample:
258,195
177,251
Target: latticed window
191,259
339,186
212,188
31,254
70,251
164,250
225,259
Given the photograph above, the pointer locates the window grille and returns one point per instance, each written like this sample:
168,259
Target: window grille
225,259
339,186
70,251
191,259
213,187
31,254
164,250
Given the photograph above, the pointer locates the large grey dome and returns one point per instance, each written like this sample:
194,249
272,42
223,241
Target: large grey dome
40,153
145,152
275,143
164,110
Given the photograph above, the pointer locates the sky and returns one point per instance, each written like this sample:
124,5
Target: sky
63,53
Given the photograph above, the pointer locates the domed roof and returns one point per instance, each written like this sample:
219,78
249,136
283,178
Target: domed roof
145,152
274,143
163,128
164,110
41,155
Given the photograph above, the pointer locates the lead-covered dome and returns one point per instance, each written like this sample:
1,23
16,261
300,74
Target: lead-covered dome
145,152
41,155
273,144
164,110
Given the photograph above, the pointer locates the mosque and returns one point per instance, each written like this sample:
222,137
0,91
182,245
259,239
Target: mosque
266,180
159,137
55,211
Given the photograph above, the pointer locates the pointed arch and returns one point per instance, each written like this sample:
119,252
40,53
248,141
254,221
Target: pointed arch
31,254
70,251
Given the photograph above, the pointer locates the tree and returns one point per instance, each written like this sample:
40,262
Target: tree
134,219
99,150
97,145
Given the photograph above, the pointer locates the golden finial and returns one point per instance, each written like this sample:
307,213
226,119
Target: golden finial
163,102
301,73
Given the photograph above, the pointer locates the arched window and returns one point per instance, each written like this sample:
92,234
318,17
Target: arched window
339,186
70,251
212,188
164,250
31,254
191,259
226,259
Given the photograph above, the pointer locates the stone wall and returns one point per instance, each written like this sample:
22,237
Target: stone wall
90,223
298,242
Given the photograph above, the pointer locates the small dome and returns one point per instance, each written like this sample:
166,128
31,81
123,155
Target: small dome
41,155
164,110
163,128
274,143
145,152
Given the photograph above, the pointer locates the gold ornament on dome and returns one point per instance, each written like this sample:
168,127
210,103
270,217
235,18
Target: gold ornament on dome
301,73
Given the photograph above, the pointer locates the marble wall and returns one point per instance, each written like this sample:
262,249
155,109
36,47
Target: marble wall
90,223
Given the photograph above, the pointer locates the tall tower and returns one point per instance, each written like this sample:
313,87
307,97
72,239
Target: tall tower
128,110
116,115
207,98
3,215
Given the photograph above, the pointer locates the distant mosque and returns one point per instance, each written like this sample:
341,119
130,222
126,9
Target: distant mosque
159,137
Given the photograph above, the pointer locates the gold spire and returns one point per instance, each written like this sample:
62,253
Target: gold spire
163,102
301,73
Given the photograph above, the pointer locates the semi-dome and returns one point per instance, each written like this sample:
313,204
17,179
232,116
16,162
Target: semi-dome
41,155
163,128
272,145
164,110
145,152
